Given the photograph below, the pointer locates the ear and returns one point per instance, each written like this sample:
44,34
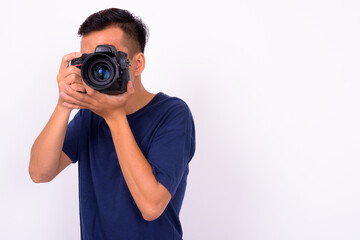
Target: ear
138,64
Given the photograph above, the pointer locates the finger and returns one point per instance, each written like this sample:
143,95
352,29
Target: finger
130,90
79,98
65,60
72,106
78,87
69,75
73,79
90,91
72,101
130,87
71,70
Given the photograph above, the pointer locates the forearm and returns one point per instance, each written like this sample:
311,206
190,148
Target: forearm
150,196
47,148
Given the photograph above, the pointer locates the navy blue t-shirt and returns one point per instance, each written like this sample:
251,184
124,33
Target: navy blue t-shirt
164,131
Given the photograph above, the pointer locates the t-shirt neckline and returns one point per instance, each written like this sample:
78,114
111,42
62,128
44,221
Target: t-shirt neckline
154,100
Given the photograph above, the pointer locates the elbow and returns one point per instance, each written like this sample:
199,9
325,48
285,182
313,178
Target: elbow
37,175
154,206
38,178
152,212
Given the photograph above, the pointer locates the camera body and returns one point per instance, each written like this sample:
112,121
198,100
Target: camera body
106,70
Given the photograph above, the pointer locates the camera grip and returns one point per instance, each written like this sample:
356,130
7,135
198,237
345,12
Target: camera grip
77,62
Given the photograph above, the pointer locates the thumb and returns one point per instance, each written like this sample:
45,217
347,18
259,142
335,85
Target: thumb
130,87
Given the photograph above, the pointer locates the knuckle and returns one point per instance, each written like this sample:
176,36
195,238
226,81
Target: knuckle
65,59
73,69
76,87
78,78
90,92
67,80
72,78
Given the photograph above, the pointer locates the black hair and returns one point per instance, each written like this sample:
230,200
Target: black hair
133,27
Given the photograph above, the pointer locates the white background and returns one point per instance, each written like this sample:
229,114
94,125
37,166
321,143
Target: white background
274,91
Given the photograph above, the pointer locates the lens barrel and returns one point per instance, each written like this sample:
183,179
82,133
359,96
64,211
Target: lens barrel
99,71
106,70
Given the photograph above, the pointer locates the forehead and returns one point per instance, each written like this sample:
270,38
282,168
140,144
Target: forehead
110,36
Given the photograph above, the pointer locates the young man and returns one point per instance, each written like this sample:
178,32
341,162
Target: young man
132,149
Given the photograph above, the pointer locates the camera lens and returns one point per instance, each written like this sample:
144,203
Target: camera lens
102,73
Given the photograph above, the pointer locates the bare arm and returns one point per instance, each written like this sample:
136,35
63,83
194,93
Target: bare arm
46,152
47,159
150,196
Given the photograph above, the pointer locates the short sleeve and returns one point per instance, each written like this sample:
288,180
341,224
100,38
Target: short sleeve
173,147
72,137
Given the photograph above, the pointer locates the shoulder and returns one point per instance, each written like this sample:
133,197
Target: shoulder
160,108
171,104
174,112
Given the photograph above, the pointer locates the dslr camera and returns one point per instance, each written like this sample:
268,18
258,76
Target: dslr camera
106,70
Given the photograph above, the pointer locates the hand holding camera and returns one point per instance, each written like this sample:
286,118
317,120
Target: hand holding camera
70,76
106,77
106,70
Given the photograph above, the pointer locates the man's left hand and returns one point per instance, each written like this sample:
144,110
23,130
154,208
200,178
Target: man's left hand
104,105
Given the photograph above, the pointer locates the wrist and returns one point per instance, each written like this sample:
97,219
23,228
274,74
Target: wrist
115,117
61,108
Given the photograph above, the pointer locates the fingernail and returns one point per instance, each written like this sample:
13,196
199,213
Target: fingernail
78,54
67,87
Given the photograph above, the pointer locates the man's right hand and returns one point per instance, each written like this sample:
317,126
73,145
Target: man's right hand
69,75
47,159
